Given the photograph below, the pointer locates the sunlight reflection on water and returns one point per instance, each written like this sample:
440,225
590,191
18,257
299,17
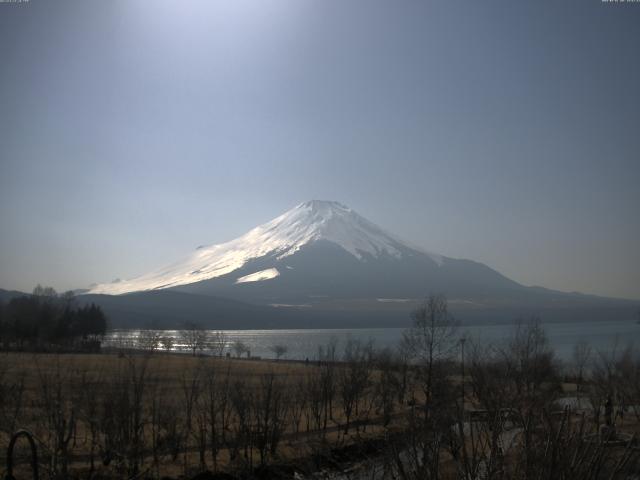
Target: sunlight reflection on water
302,344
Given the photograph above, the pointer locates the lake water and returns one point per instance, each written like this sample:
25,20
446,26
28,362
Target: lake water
302,344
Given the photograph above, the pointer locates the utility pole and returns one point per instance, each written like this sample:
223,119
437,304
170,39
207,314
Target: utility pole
462,341
465,457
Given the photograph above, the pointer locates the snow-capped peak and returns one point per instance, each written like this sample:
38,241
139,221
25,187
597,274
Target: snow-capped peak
333,222
285,235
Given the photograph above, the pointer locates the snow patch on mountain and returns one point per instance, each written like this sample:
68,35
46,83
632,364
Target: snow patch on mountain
282,236
394,300
267,274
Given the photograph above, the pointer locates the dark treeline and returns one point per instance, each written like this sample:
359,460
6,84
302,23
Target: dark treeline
46,320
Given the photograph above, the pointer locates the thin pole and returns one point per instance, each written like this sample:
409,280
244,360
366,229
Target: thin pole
462,340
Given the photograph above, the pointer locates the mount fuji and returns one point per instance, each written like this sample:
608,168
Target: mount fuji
314,248
321,262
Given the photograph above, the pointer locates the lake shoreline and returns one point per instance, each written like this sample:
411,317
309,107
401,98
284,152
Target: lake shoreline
302,344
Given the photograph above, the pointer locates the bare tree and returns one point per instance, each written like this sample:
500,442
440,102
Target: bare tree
241,398
132,432
191,386
167,343
315,393
270,412
215,408
430,343
194,337
279,350
532,369
218,343
386,385
581,355
327,358
298,403
534,383
353,378
432,339
166,432
328,352
148,340
603,381
122,414
59,414
627,381
239,348
12,389
89,387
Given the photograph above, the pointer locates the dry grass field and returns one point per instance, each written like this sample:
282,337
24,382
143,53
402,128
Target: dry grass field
171,409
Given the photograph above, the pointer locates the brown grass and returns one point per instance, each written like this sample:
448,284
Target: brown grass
166,374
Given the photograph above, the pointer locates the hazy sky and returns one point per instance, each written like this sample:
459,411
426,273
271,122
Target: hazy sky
506,132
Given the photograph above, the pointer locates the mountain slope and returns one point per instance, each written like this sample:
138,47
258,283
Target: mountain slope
284,236
323,271
311,227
